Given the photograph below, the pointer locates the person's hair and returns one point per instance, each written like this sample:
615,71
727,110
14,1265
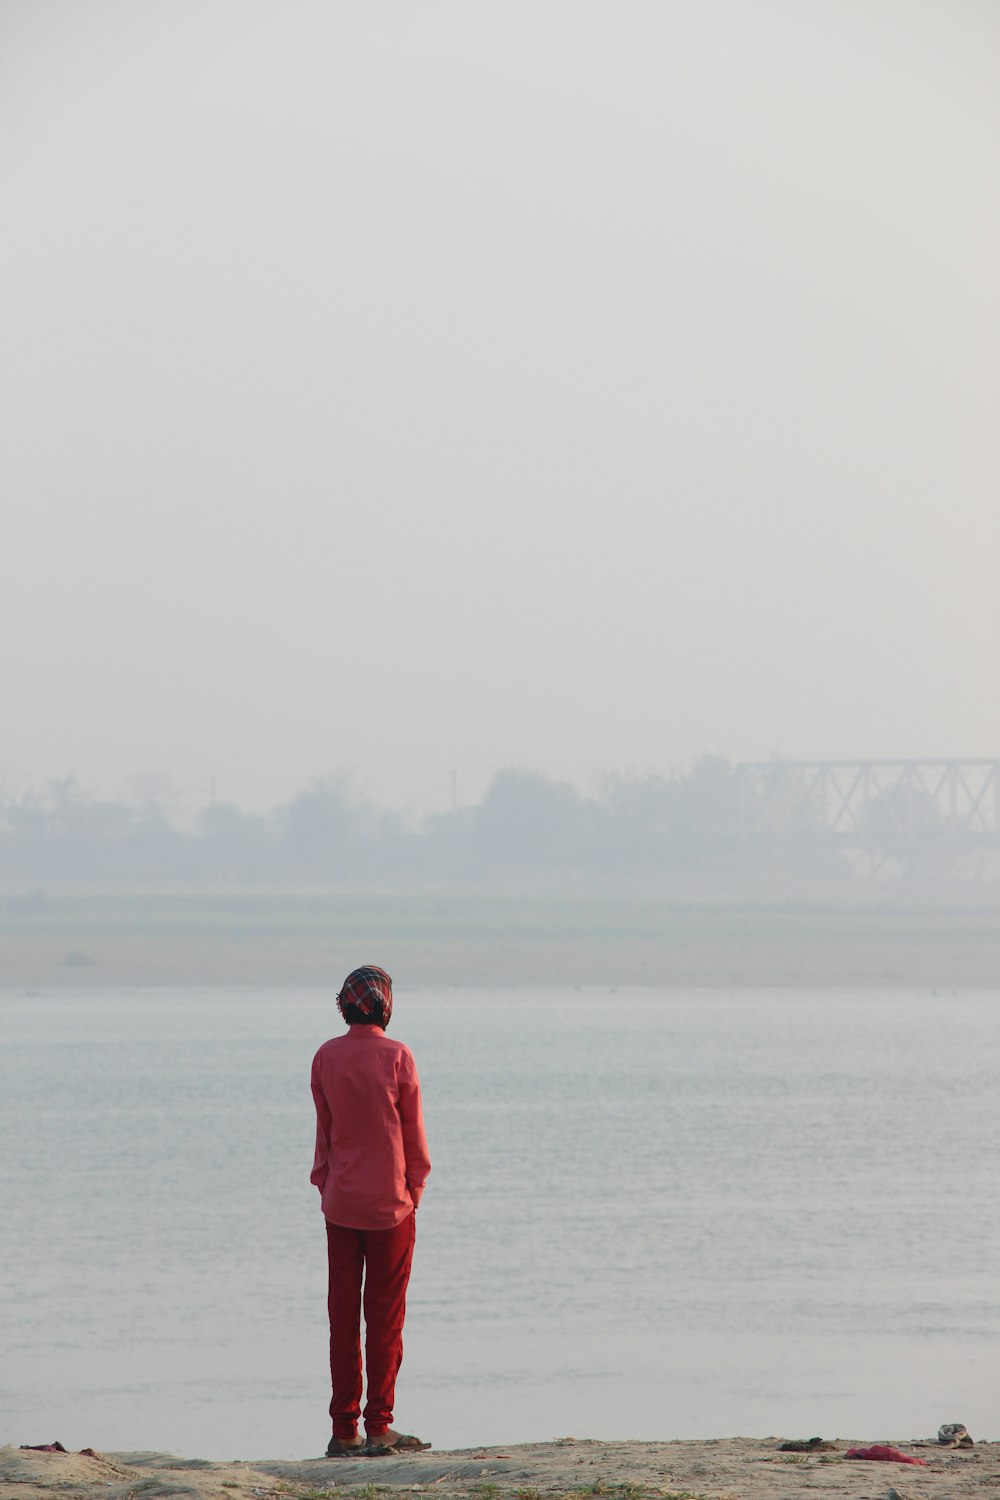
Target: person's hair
355,1017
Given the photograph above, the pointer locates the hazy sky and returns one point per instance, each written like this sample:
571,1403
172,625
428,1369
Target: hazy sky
417,387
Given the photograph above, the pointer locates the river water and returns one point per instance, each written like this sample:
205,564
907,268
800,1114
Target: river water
651,1215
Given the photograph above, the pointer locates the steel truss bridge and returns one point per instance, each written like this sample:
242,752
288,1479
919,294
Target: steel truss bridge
890,805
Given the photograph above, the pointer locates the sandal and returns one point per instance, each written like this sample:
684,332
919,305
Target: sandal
341,1447
394,1442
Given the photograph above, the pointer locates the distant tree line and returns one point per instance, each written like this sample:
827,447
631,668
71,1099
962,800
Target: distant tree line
635,831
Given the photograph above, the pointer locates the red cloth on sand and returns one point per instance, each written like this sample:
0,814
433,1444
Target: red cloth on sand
882,1453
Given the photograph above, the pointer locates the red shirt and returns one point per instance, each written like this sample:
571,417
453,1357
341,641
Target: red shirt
371,1152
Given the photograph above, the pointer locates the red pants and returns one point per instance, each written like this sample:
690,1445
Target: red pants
384,1256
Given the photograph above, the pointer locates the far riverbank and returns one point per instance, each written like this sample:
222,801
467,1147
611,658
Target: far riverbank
86,940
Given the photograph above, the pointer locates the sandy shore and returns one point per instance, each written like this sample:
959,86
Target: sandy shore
716,1470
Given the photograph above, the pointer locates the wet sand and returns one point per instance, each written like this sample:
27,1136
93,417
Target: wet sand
720,1469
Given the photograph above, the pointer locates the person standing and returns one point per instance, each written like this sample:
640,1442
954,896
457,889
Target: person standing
371,1165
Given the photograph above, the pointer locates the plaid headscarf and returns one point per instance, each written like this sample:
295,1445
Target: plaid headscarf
370,990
